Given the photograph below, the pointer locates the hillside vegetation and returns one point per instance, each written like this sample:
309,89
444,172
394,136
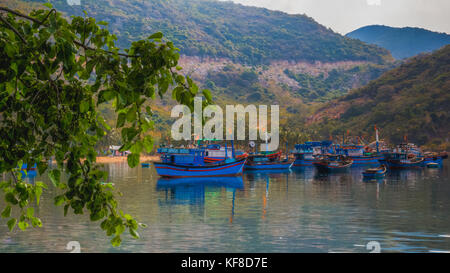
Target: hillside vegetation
402,42
412,100
223,29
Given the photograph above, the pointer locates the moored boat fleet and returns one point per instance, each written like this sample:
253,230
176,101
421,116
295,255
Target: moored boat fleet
216,160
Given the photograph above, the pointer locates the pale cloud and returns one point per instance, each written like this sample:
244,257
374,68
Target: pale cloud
344,16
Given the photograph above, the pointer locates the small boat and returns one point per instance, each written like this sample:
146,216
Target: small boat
305,154
225,168
359,155
375,172
28,171
433,158
178,163
262,162
145,165
402,160
433,165
333,163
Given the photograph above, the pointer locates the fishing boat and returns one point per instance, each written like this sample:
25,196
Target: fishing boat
262,162
359,154
191,163
373,173
435,158
28,171
145,165
305,154
402,160
333,163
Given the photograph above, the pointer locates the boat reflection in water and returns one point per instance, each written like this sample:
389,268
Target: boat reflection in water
192,190
275,172
409,175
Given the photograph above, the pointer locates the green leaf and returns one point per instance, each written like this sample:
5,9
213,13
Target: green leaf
36,222
131,114
59,200
84,106
6,212
30,212
12,223
9,197
116,241
133,160
23,225
55,176
148,143
207,95
134,233
66,208
121,120
157,35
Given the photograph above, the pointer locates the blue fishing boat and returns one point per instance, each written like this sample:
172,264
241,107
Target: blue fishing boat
191,163
333,163
305,154
375,172
402,160
433,158
359,155
28,171
145,165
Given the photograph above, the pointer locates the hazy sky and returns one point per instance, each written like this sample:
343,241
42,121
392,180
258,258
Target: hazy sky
344,16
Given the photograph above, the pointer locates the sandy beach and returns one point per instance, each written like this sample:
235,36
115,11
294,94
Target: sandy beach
118,159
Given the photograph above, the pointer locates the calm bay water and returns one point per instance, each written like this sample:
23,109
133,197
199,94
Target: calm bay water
298,211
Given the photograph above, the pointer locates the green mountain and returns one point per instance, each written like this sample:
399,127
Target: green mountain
217,35
412,100
218,29
401,42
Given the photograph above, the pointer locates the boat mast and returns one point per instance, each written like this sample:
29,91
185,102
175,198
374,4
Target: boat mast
377,139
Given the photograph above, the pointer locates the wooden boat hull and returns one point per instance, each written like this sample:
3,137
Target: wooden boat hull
370,174
269,166
325,167
210,170
396,164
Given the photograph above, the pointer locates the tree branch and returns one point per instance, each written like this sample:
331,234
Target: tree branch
21,15
75,42
13,29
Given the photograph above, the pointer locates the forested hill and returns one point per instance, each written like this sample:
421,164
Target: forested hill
413,100
209,28
402,42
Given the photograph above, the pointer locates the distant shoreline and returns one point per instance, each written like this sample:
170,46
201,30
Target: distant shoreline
119,159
